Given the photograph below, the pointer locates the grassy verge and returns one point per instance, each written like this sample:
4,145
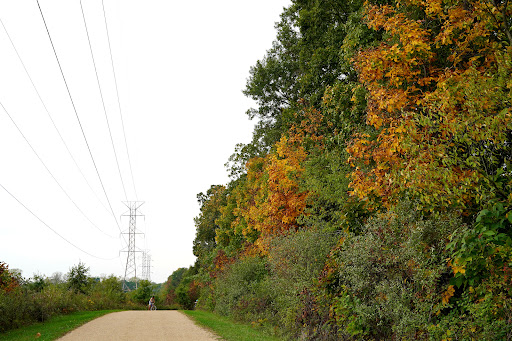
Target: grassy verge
227,329
54,328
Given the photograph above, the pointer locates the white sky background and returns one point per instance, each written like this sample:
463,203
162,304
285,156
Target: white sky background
181,67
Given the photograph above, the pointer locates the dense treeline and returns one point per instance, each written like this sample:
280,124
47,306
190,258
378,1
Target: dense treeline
25,301
374,201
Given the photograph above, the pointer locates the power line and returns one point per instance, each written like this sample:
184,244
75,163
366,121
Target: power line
51,118
48,226
48,170
78,118
102,100
119,101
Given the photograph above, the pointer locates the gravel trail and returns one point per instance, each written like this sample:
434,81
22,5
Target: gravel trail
141,325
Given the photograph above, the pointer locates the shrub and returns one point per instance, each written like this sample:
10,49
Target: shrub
39,299
296,261
479,306
391,276
187,293
108,293
13,311
240,291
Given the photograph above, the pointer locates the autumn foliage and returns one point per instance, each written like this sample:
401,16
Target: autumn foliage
382,211
8,282
439,100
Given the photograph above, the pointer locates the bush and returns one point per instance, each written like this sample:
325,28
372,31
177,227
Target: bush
39,299
241,291
296,261
187,293
13,311
108,293
481,260
393,275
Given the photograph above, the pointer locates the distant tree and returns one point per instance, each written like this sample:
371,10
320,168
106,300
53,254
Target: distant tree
38,282
111,287
144,291
57,278
8,281
78,278
175,278
168,289
187,291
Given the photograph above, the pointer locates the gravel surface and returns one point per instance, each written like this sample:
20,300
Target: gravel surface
141,325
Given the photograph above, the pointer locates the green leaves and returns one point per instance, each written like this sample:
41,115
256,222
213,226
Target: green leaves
211,204
78,278
485,247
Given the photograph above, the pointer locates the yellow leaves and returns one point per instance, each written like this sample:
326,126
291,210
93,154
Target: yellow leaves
273,201
448,294
400,129
433,7
456,97
457,268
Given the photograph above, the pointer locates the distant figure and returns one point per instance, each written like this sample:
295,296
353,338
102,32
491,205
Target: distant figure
151,302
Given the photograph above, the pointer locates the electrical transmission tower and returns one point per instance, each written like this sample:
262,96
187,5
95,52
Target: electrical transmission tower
131,250
146,265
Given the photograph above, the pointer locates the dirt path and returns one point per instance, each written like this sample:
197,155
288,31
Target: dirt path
141,325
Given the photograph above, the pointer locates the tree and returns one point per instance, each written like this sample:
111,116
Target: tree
168,290
57,278
206,225
38,282
78,278
143,292
8,281
439,100
302,63
110,287
271,201
187,291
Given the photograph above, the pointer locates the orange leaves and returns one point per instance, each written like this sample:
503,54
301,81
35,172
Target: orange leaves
448,294
433,7
220,262
456,267
286,202
436,83
272,200
383,155
8,282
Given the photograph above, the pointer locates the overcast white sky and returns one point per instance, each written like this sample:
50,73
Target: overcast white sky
180,67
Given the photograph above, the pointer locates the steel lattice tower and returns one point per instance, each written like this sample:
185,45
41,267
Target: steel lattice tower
146,265
148,260
131,250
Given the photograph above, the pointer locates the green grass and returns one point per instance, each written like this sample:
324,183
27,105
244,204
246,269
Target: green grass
54,328
227,329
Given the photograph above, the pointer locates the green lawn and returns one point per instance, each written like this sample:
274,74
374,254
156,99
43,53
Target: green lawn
53,328
227,329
